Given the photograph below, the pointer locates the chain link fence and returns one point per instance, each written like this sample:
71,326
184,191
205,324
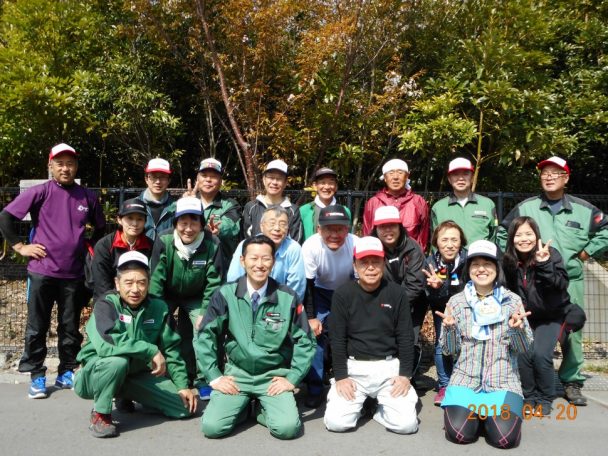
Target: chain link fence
13,283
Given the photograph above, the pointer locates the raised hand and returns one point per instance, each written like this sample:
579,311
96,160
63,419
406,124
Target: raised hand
214,226
432,280
448,318
190,191
542,253
517,319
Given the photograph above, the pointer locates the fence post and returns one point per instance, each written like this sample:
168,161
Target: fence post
500,207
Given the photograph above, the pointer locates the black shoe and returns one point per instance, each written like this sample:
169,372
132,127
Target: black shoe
314,401
124,405
574,395
543,408
369,407
529,407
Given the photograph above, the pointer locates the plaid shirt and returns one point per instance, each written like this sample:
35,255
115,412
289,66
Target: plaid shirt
489,365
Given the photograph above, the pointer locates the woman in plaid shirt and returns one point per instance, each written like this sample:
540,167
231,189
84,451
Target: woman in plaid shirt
485,328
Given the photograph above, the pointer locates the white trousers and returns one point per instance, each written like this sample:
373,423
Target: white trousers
373,379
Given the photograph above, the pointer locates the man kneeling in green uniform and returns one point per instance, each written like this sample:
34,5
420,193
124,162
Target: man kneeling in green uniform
132,345
268,343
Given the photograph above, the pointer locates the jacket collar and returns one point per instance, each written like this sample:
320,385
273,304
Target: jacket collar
271,295
142,242
452,199
566,204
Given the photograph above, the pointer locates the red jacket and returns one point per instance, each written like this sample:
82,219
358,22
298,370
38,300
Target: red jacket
413,209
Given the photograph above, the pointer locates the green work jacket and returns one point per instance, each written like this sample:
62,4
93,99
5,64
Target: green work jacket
114,329
275,341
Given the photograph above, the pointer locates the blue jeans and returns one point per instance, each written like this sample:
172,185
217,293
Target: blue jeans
322,303
443,363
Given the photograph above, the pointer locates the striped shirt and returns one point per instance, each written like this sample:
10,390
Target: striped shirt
489,365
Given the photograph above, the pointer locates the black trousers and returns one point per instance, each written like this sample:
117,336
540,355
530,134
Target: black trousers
536,365
71,296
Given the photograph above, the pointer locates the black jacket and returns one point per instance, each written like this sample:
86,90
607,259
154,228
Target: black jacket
403,266
453,277
105,259
543,287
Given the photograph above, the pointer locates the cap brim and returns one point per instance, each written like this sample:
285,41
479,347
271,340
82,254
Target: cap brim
387,222
274,169
156,170
366,253
191,212
334,222
461,168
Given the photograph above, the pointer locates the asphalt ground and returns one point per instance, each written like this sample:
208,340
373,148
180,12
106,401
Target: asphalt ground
59,424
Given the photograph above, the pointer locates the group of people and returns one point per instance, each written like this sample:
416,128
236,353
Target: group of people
272,296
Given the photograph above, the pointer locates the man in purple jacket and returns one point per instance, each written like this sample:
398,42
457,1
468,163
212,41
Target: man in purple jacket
60,210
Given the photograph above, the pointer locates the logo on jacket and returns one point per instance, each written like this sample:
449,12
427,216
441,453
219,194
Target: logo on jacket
125,318
82,208
386,306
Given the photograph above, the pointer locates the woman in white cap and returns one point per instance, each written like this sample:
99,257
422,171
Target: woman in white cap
187,266
485,329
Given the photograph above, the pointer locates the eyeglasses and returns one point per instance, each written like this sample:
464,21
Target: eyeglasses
276,224
551,175
152,178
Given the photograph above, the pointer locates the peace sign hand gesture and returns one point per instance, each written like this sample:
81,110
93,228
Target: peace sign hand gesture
542,254
448,318
432,280
517,319
189,190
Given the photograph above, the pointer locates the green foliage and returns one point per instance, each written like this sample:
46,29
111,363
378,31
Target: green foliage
347,83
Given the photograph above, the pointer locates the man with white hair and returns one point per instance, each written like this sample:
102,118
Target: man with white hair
475,214
413,209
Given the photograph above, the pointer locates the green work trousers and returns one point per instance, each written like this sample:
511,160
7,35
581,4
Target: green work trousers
278,413
105,378
186,319
572,363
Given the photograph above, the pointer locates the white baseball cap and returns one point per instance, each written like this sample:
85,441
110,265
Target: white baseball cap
276,165
395,165
188,205
483,248
132,256
368,246
460,164
385,215
557,161
62,148
211,164
158,165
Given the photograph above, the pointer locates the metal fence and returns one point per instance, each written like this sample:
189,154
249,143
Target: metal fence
13,308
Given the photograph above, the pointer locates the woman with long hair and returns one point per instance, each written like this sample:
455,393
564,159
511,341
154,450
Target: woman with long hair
536,272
